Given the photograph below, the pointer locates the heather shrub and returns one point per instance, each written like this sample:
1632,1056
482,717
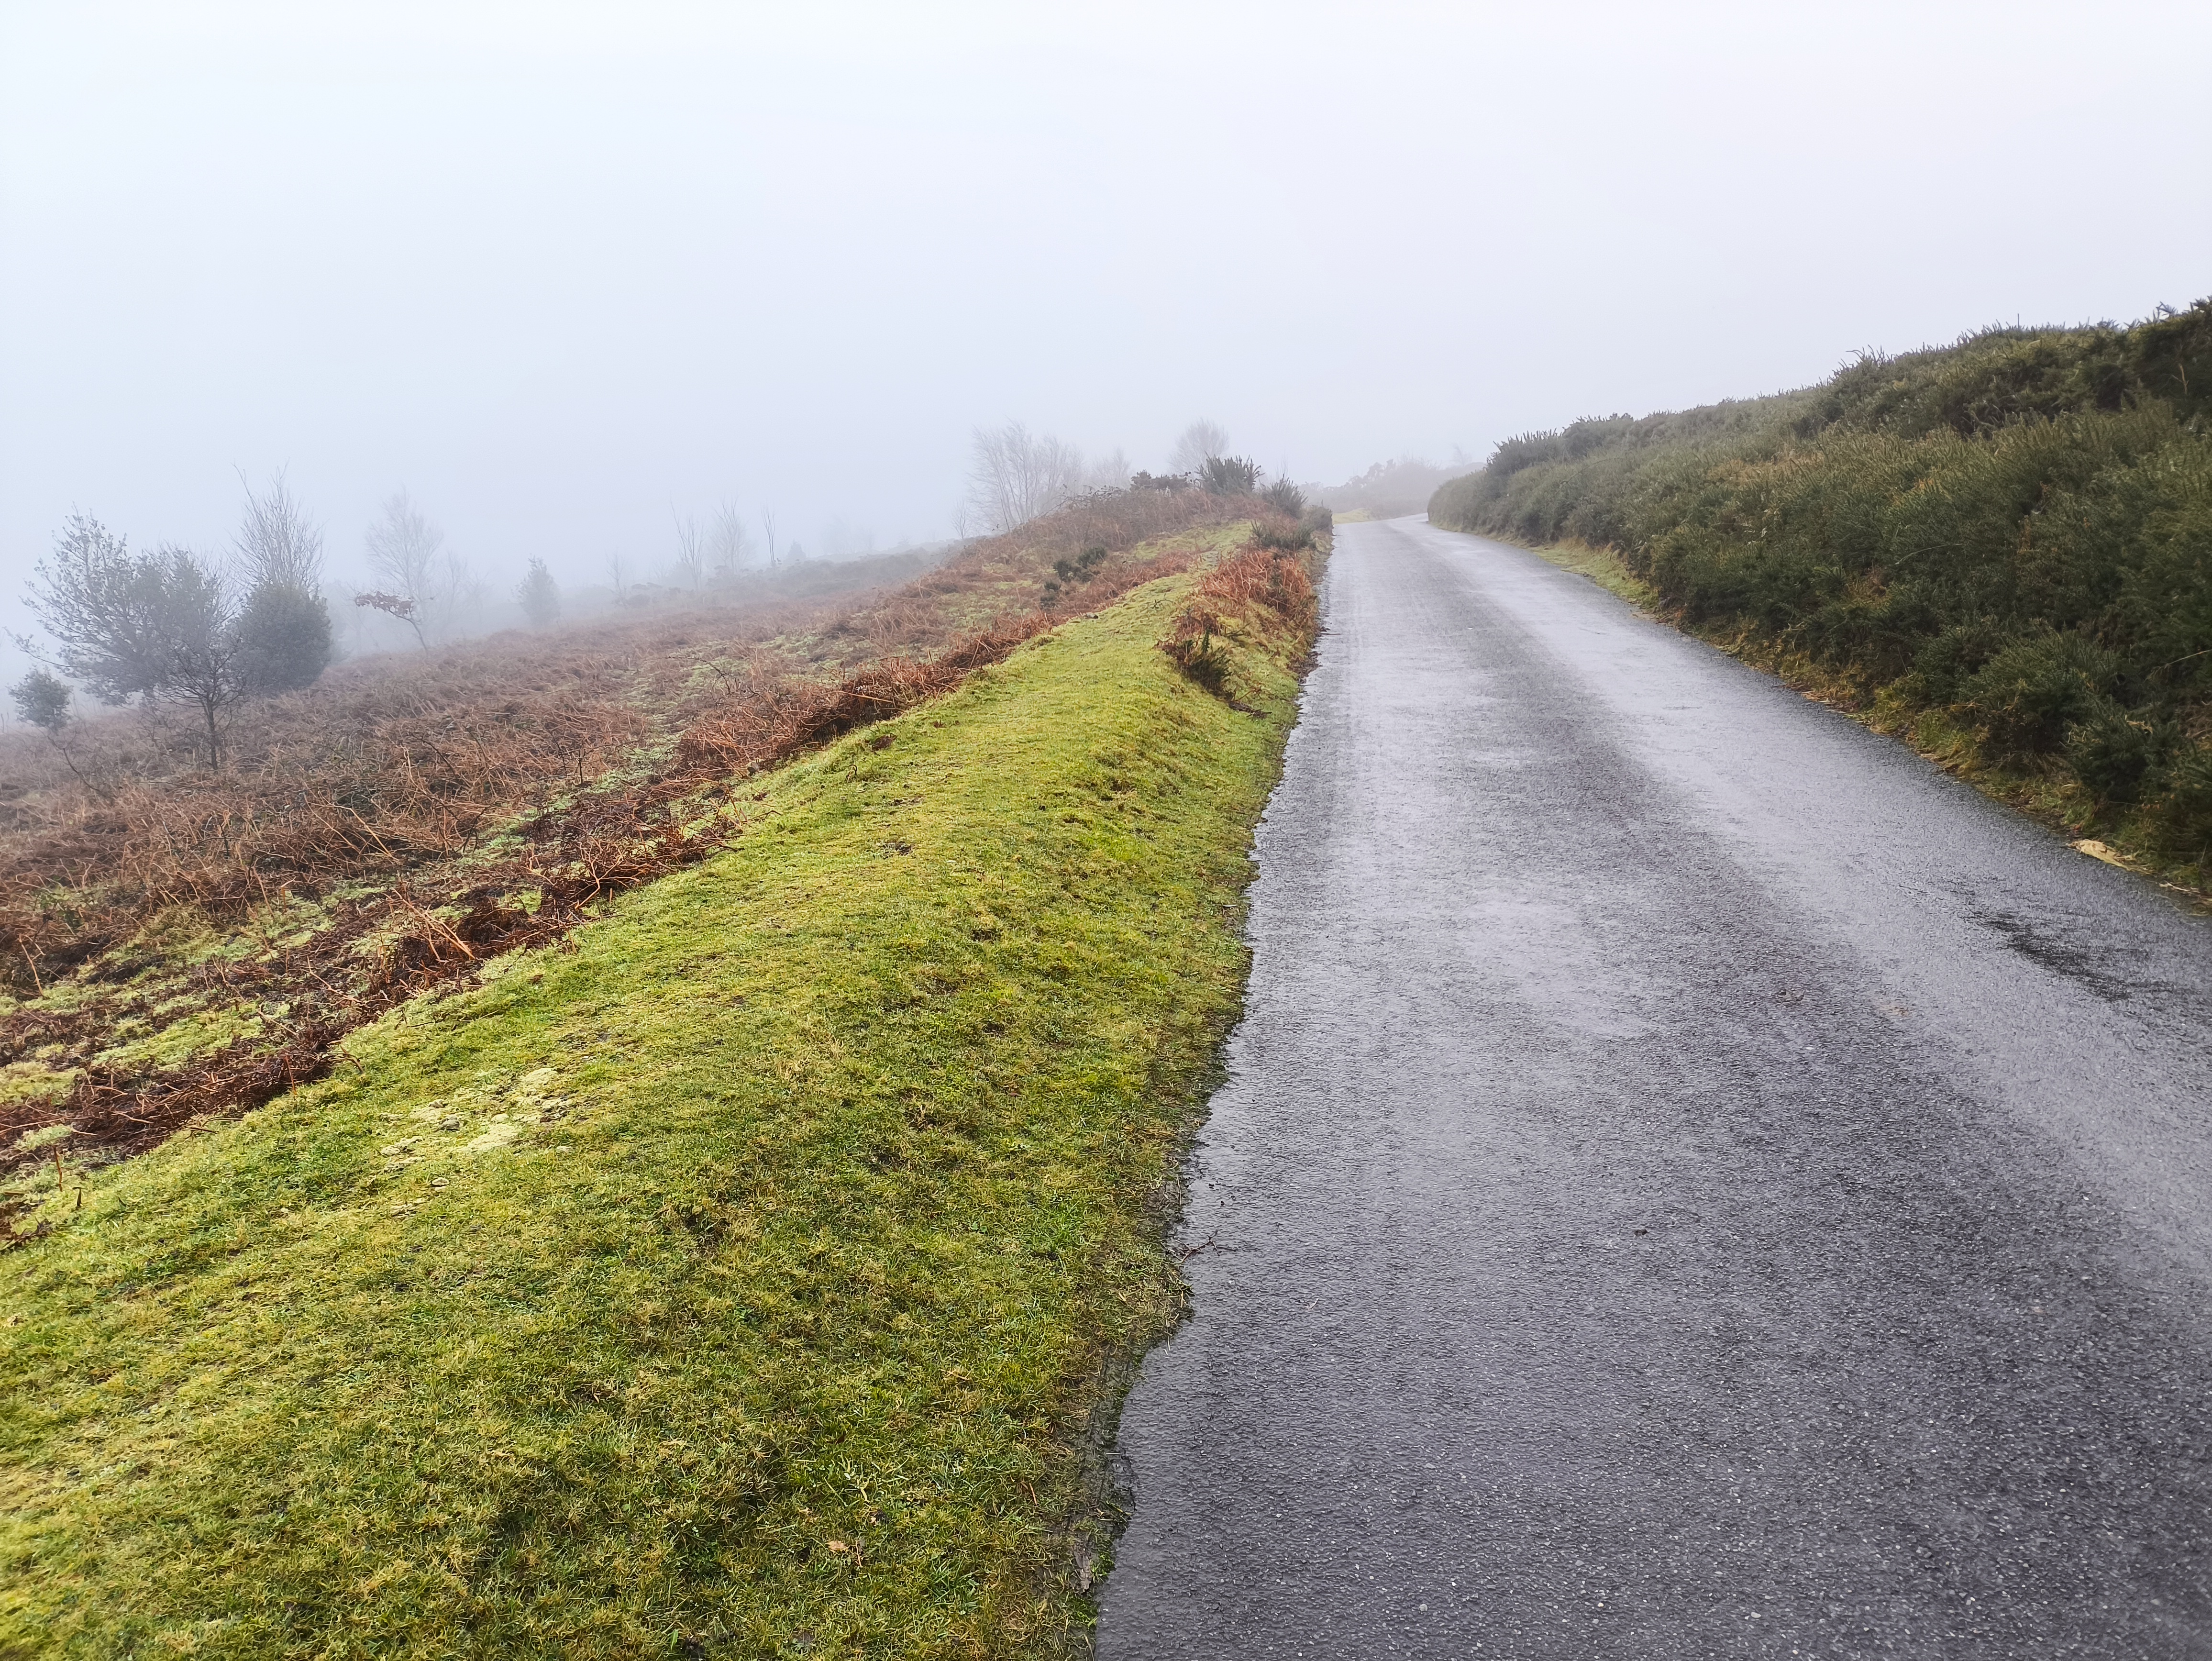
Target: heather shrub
2016,528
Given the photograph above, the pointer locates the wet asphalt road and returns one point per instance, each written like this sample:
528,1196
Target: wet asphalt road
1693,1181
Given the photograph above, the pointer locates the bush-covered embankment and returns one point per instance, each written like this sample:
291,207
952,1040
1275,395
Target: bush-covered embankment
2002,548
736,1277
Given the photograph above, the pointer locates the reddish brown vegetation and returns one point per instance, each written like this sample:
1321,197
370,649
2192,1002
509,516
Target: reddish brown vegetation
1272,573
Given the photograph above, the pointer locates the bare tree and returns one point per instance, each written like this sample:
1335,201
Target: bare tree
691,554
768,524
618,575
403,550
210,660
842,539
728,543
275,543
1016,475
463,591
1110,471
1200,442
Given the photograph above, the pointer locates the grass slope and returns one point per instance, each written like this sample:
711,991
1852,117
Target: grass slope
177,942
736,1281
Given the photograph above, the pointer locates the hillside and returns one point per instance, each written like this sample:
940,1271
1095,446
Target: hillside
740,1272
175,940
2001,548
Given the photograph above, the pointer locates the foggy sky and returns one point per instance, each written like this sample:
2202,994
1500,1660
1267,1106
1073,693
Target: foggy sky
559,269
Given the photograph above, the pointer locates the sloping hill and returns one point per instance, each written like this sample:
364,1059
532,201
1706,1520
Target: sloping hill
177,940
737,1276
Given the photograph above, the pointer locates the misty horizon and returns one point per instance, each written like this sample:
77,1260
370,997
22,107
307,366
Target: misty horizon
568,276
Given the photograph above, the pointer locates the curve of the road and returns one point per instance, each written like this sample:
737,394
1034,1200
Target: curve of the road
1693,1181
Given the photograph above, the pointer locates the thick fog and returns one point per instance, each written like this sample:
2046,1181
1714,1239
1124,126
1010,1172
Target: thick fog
566,272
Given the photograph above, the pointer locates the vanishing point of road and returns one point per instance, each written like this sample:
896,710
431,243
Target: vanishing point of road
1693,1181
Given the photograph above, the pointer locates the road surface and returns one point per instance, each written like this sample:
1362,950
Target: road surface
1693,1181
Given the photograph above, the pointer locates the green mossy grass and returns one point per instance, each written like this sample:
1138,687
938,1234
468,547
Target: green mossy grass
1602,566
735,1282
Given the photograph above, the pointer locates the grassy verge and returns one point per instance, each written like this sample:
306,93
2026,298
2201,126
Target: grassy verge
1934,733
734,1279
1602,566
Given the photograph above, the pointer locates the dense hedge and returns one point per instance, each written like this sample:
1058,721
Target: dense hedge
2016,530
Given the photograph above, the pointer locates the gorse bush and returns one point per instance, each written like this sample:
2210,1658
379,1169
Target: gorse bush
1068,573
1230,476
2016,531
1284,534
2025,697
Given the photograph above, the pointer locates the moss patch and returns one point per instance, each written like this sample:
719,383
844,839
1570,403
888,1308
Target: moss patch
733,1282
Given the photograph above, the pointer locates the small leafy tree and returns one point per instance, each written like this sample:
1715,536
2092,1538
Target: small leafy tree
540,596
284,626
207,665
392,605
284,636
104,606
42,699
166,627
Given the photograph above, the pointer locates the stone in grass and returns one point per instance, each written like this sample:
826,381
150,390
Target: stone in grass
500,1133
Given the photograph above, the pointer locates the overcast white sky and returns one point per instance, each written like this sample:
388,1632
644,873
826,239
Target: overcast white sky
558,268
